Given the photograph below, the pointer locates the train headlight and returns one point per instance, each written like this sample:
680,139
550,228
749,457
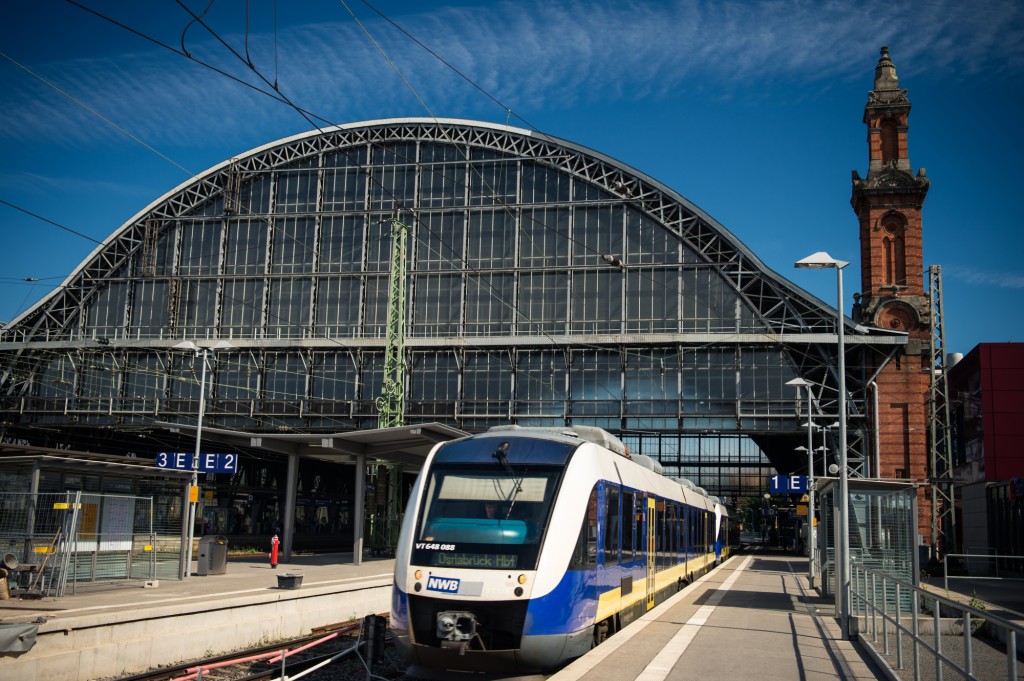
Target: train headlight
522,579
456,626
418,575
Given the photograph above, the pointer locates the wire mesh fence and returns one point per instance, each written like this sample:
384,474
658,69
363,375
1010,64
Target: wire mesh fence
64,539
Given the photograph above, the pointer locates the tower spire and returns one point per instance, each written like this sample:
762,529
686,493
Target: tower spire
888,203
886,80
886,115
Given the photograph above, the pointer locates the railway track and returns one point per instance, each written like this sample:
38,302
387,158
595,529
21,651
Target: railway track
346,650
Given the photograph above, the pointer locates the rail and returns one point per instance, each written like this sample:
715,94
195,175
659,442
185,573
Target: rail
940,633
975,557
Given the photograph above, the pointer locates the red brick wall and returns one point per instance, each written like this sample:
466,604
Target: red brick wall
903,428
872,252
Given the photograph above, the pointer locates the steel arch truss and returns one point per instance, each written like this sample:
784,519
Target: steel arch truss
782,307
790,317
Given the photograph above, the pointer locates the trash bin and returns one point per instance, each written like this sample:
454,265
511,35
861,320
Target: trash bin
213,555
289,580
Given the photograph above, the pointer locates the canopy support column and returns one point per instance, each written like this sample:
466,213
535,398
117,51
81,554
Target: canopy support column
359,510
291,491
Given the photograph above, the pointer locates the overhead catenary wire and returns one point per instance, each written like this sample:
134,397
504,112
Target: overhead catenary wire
271,94
197,18
37,216
304,113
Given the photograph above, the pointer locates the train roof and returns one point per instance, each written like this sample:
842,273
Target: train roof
603,438
598,436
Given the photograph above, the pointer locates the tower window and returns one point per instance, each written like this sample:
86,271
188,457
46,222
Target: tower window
895,251
890,142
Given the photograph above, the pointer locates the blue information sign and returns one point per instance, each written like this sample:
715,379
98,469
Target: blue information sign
787,484
208,463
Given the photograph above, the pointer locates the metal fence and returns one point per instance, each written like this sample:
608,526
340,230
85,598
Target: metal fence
934,635
79,538
984,566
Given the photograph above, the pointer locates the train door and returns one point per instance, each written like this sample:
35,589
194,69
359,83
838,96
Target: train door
651,525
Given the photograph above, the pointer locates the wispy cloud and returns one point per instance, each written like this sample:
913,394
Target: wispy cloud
970,275
530,55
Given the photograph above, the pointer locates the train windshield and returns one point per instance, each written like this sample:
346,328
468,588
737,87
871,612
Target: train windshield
487,516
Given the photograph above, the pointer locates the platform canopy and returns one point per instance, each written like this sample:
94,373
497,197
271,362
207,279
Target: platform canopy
403,446
407,446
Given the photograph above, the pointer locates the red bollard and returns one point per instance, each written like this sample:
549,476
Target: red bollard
273,551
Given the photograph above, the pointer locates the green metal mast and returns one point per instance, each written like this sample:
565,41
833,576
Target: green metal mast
391,403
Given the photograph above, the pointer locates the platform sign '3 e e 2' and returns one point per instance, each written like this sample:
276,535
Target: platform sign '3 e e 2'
225,462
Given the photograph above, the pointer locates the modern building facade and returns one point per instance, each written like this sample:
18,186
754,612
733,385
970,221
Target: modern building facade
987,399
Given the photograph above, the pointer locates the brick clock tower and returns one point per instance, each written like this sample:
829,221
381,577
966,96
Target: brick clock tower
888,206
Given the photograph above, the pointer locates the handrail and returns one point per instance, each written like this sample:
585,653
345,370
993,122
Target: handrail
945,566
881,596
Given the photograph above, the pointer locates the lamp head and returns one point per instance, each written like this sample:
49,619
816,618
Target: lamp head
219,345
820,260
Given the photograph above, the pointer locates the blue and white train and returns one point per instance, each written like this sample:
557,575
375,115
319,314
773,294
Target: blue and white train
522,548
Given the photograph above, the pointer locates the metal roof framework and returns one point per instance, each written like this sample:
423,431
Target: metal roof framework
790,316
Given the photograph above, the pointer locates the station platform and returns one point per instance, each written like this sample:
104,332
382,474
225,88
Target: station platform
108,631
755,617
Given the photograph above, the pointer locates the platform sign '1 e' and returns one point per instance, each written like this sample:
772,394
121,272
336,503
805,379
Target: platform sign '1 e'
787,484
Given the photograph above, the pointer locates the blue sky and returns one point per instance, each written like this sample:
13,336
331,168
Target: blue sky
751,110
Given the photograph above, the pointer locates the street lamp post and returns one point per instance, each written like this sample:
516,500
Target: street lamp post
801,383
822,260
823,449
193,490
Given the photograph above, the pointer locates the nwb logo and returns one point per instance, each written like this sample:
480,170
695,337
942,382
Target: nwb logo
442,584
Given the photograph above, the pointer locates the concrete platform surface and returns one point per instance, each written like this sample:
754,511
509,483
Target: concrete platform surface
755,617
103,631
244,575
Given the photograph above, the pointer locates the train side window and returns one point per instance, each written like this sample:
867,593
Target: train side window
659,536
684,514
673,532
638,513
611,525
584,555
628,526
